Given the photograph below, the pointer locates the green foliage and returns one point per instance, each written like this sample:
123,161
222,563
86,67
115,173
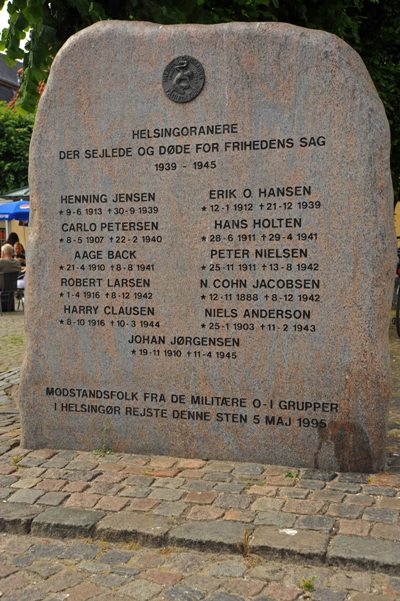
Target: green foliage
307,584
372,27
15,134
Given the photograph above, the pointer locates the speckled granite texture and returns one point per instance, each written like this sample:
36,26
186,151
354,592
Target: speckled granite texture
218,293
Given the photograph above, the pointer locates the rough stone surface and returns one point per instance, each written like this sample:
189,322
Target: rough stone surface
17,517
210,534
131,526
234,270
378,553
65,521
267,539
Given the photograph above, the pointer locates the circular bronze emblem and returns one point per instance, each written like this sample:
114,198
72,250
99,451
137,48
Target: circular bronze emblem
183,79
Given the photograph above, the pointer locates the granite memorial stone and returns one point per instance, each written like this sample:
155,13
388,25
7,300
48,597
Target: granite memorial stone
212,248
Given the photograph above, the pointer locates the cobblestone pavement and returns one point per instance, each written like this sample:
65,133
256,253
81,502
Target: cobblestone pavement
81,525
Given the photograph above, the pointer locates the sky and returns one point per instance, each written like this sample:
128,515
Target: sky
3,17
4,20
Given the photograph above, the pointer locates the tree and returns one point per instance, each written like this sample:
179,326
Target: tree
372,27
15,135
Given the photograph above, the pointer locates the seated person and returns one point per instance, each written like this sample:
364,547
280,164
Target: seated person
12,239
19,254
7,263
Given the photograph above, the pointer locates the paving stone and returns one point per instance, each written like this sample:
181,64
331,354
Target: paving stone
344,511
205,512
133,526
84,591
166,494
96,567
267,539
283,593
376,514
219,466
303,506
210,534
17,517
245,587
51,485
183,593
230,487
108,580
350,580
140,589
173,508
228,501
275,518
200,498
355,478
26,495
240,515
143,504
345,487
202,582
83,500
389,531
109,503
140,481
162,576
312,484
262,489
318,475
116,556
191,463
78,550
356,527
223,596
77,486
371,553
14,582
168,482
198,485
385,479
267,504
53,498
64,579
248,469
135,491
327,494
8,480
234,568
388,502
380,490
6,570
66,521
104,488
45,568
315,522
324,594
6,492
360,499
282,480
217,477
293,493
25,483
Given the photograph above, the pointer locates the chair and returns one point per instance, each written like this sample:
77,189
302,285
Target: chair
8,287
20,295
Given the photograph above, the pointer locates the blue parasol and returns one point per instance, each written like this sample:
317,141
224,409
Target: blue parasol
15,210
